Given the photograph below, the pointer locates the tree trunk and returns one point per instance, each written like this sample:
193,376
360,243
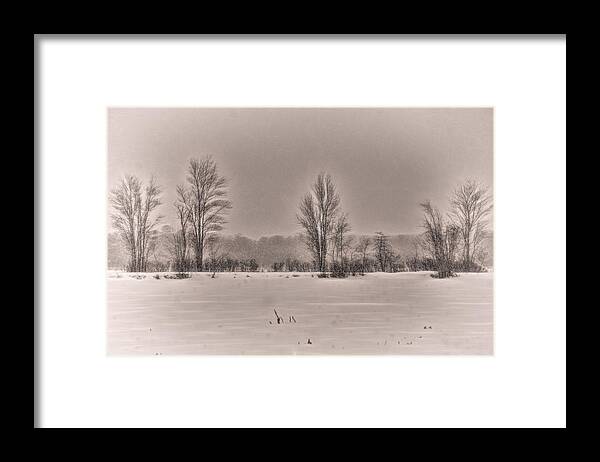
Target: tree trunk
199,261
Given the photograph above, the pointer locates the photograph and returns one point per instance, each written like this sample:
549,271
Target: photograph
300,231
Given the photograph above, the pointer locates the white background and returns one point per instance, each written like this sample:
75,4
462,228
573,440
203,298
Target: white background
523,384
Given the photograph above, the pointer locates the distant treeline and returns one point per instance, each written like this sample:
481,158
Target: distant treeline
279,253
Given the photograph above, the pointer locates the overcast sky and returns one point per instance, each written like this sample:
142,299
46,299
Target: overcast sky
384,161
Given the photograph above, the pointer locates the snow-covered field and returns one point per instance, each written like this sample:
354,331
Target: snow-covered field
379,313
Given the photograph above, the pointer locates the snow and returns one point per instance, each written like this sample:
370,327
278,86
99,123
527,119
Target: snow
233,313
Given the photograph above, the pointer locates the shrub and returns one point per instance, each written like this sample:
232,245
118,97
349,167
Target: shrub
444,275
337,271
177,276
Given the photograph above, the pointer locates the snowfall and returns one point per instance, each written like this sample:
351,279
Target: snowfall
298,313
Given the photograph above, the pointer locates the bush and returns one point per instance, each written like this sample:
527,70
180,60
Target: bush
337,271
177,276
447,274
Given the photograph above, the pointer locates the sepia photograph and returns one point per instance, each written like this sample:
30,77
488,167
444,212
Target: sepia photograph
300,231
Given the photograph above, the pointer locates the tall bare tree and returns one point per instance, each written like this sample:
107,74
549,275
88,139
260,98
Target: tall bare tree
471,206
206,202
440,239
317,214
179,240
340,239
134,205
383,250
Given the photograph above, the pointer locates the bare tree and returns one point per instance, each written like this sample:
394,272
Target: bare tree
317,213
308,217
362,248
340,239
206,203
440,239
471,205
179,240
133,218
383,250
